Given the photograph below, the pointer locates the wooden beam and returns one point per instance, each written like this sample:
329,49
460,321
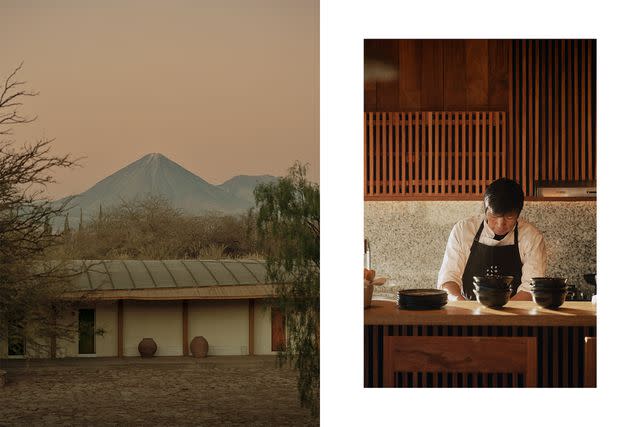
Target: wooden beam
251,325
120,328
185,328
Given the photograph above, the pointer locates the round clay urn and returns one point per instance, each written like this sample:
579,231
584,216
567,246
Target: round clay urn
199,347
147,347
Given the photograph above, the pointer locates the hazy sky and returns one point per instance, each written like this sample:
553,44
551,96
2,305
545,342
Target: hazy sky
221,87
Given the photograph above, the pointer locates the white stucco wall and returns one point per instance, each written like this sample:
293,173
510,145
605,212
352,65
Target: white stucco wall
160,320
107,320
224,324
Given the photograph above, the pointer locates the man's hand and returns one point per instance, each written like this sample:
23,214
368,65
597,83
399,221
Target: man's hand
522,296
453,289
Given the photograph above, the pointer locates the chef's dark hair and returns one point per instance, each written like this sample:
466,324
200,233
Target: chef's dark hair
503,196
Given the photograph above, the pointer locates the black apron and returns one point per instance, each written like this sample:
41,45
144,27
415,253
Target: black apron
482,257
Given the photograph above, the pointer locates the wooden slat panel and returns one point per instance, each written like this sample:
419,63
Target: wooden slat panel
483,151
565,356
477,151
431,154
527,185
549,85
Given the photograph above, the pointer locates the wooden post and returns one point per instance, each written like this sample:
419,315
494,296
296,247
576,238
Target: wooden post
251,325
120,328
185,328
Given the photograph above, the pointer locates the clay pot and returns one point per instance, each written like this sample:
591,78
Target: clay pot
199,347
147,347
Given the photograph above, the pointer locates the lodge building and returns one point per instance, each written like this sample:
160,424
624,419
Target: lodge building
171,301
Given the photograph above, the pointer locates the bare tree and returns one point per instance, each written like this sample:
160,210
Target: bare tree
30,285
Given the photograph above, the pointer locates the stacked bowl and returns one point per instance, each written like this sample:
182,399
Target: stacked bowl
493,290
421,299
549,292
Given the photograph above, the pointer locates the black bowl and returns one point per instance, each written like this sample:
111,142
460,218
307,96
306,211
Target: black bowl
549,298
490,289
494,298
548,282
497,282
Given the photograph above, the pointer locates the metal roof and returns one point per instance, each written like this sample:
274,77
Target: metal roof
147,274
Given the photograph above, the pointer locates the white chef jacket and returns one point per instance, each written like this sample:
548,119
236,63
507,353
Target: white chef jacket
533,254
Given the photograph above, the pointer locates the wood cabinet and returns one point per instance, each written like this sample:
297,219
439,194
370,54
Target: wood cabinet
461,113
561,359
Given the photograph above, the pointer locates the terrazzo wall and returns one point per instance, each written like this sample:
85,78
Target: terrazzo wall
408,238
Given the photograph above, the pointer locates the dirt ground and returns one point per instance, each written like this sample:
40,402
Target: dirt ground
167,391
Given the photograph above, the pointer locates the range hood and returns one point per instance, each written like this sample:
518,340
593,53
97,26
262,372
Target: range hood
566,189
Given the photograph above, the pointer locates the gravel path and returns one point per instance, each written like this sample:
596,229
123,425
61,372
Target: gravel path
168,391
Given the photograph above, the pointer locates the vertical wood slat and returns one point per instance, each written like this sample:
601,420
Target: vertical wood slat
463,166
436,157
556,112
533,174
423,141
529,158
549,73
544,124
447,132
409,147
517,136
583,143
396,170
576,111
431,155
456,171
563,125
590,147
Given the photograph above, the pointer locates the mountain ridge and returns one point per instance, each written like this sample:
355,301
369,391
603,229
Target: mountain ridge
156,175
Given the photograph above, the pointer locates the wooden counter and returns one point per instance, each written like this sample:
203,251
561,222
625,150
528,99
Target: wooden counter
560,336
471,313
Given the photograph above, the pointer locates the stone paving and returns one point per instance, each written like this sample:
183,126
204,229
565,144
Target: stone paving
165,391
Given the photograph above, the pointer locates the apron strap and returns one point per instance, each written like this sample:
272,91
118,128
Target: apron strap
477,237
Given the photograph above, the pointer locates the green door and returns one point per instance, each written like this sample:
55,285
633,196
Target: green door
86,331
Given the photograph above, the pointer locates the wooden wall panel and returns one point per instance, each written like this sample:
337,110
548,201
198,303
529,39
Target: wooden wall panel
440,75
455,75
409,81
477,72
545,133
562,359
432,74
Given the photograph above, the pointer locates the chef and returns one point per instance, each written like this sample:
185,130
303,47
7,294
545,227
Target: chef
495,242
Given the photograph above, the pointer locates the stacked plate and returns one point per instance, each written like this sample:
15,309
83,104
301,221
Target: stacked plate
549,292
492,291
421,299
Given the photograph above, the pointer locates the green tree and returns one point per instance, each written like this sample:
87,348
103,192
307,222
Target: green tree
288,225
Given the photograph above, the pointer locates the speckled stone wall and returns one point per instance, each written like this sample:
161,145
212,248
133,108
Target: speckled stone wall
408,238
